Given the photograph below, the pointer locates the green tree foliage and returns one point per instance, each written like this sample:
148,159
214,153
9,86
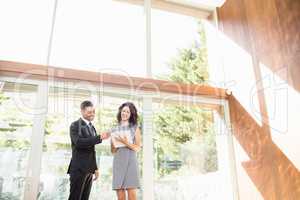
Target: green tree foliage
12,122
191,64
3,98
179,125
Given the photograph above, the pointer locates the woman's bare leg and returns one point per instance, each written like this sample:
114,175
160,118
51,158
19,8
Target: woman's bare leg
131,194
121,194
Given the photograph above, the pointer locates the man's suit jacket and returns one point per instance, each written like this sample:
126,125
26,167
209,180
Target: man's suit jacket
83,148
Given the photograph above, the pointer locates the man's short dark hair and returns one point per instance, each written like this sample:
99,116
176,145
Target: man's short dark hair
85,104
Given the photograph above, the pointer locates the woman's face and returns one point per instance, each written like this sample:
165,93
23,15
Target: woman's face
125,113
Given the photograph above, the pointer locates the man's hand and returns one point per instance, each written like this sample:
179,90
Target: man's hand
105,135
96,175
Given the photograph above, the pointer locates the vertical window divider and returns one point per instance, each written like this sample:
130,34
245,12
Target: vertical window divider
35,157
148,158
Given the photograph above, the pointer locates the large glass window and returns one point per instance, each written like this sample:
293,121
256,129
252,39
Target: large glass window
104,36
17,109
25,30
63,109
179,50
109,36
186,153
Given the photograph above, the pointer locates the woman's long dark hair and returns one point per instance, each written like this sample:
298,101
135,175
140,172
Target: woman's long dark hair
133,113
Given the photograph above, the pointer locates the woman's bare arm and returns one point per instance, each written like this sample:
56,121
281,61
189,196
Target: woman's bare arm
113,149
137,144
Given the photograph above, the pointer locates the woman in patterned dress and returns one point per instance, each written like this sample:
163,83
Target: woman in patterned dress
125,164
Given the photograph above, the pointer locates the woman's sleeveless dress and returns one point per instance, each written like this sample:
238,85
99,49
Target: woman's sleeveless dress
125,165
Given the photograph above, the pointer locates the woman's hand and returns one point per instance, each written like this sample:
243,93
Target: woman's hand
123,140
136,146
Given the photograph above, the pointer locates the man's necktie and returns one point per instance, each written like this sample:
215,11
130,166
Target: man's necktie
92,129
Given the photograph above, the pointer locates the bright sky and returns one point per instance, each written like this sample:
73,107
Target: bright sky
104,35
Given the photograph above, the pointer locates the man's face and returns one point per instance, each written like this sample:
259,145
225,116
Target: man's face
88,113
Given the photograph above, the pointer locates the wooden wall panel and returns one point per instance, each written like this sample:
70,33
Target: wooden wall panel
289,15
289,19
272,173
269,31
265,33
230,26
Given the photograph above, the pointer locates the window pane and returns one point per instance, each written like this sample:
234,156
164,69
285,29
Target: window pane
17,104
178,48
63,109
104,36
25,30
186,153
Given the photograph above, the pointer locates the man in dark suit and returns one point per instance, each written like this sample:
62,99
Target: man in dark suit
83,164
